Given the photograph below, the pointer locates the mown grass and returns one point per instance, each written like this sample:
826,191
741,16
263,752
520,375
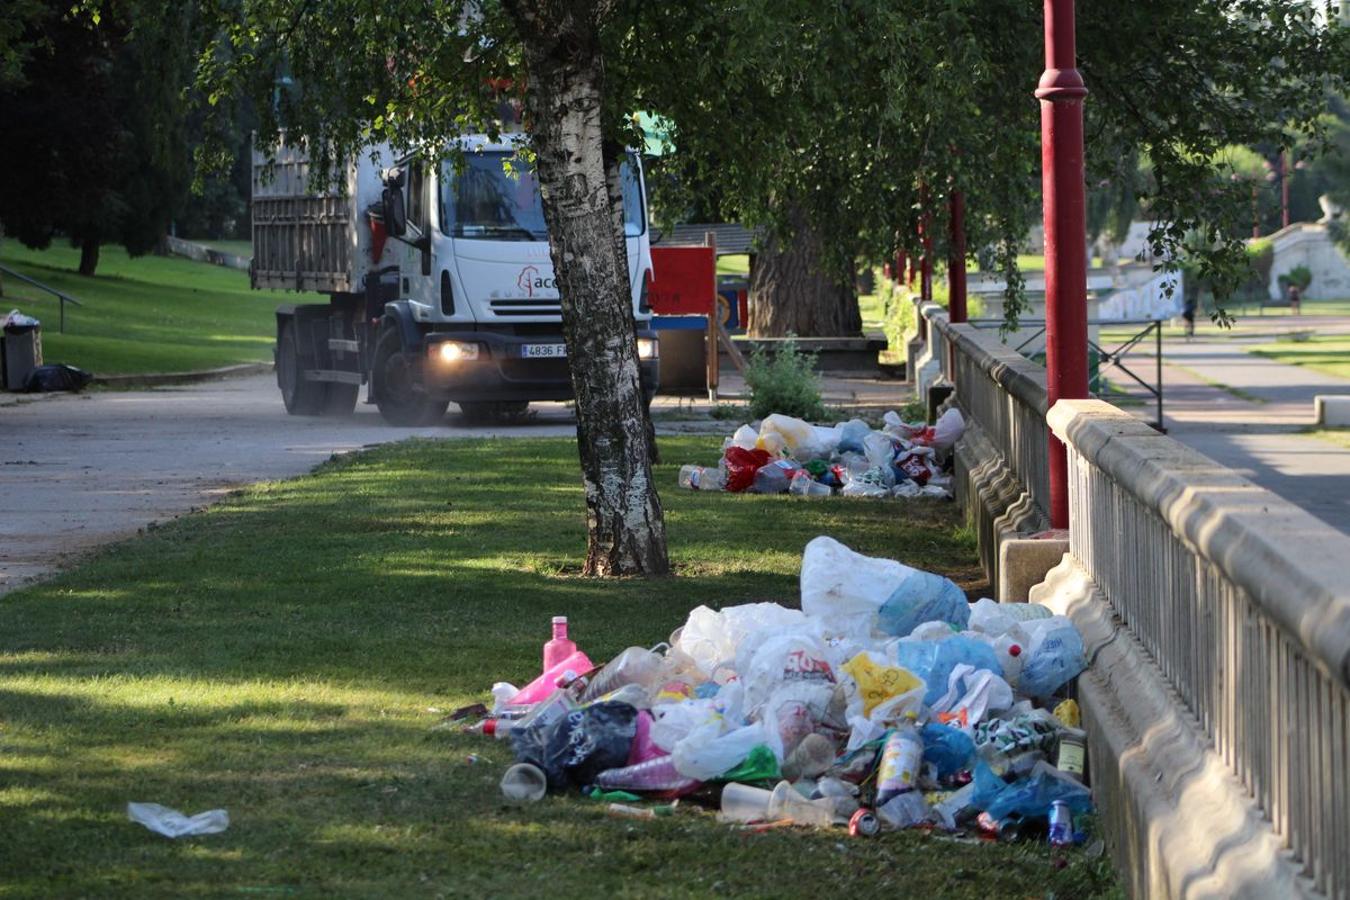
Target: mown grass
149,314
1328,354
286,654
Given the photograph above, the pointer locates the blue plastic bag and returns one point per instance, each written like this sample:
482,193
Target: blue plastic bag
947,748
851,435
933,661
923,597
1054,657
1030,798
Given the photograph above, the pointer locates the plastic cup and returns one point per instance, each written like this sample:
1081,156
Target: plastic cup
742,803
524,783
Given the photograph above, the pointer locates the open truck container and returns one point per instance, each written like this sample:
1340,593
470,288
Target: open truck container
439,281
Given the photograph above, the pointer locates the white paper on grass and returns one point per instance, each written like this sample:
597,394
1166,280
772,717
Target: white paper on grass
171,823
845,589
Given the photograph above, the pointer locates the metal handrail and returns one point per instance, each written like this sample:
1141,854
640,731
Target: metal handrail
62,296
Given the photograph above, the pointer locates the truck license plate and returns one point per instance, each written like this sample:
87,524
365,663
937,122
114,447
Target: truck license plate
543,351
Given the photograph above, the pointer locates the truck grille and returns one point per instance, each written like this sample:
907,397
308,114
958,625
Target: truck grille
526,307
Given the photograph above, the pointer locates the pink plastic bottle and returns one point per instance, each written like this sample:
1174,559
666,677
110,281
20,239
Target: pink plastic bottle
558,649
568,669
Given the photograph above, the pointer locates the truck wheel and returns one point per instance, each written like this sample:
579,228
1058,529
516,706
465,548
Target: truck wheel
302,398
395,375
501,411
340,399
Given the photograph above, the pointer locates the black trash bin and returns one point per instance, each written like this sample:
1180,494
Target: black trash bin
20,353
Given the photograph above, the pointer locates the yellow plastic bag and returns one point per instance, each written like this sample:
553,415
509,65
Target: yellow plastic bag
878,682
1068,715
793,431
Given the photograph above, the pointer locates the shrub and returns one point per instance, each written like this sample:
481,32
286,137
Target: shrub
1299,276
784,381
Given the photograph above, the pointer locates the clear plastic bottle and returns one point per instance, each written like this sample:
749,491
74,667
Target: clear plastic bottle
803,485
700,478
657,774
636,665
558,649
1010,650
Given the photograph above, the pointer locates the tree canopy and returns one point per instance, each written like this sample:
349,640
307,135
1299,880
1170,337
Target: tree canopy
94,143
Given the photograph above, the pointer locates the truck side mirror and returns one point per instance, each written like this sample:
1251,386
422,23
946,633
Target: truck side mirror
395,217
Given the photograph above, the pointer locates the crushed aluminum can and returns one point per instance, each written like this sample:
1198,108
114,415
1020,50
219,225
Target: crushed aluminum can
1061,824
864,824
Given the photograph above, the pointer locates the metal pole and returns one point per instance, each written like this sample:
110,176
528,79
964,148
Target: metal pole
1157,370
1284,188
1061,92
926,261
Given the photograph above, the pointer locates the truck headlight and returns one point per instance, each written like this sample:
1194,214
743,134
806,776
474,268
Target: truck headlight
450,352
648,348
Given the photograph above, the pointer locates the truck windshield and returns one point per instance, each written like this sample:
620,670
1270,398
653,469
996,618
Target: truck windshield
485,201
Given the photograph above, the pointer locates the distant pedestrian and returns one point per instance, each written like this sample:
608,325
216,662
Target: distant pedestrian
1295,299
1188,313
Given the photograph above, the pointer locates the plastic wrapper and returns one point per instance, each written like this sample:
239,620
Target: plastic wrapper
971,696
173,824
852,434
579,746
904,810
759,765
706,753
933,661
1031,797
877,681
1055,656
950,750
923,597
845,589
741,466
711,638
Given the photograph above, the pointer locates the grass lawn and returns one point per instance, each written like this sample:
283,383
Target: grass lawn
1339,436
285,654
1328,354
150,314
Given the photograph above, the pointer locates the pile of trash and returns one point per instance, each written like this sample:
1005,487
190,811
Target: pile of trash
783,454
887,700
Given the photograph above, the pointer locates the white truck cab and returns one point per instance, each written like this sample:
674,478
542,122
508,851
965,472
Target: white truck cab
439,278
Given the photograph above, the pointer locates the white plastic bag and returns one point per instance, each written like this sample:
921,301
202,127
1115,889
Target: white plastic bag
745,438
711,638
971,695
948,429
794,432
791,658
171,823
706,753
845,589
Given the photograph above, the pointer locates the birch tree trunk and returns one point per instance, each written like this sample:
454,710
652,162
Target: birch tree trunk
791,291
626,532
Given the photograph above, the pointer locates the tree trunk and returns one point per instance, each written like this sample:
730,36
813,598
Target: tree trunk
88,256
791,292
626,532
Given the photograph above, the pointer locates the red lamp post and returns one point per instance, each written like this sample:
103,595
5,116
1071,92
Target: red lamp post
1061,92
956,258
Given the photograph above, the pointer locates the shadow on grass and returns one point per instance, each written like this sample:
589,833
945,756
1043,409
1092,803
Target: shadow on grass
285,655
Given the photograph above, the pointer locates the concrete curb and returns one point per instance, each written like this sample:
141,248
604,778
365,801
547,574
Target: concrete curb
159,379
1181,824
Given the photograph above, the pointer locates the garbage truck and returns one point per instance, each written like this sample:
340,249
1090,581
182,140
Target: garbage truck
439,281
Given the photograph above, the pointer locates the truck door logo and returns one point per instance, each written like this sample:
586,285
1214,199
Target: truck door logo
530,281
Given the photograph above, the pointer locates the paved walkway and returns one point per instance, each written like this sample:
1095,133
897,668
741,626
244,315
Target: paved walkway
1249,413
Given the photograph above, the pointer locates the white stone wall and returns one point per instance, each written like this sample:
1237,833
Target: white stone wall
1309,244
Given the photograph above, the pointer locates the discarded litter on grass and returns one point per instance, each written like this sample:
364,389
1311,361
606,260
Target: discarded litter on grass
173,824
885,693
787,455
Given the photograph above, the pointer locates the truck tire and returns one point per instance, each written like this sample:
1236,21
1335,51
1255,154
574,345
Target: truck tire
302,398
340,399
500,411
393,376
